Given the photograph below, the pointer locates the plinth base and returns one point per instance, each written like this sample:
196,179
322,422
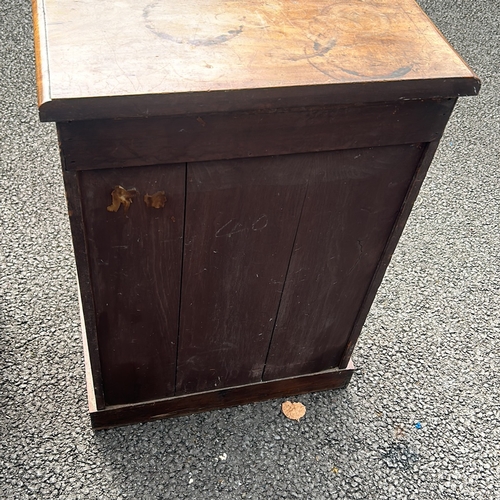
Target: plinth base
114,416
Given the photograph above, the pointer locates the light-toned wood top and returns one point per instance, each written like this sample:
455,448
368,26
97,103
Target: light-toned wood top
91,48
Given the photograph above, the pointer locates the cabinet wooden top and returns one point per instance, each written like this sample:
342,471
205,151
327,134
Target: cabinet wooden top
117,58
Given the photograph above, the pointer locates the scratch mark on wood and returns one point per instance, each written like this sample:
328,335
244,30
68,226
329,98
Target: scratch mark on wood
261,223
237,228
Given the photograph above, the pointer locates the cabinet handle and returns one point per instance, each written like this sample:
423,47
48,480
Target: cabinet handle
156,200
121,196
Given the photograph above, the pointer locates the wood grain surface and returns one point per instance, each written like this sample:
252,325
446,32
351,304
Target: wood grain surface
241,221
136,142
397,230
89,49
86,295
205,401
353,200
135,260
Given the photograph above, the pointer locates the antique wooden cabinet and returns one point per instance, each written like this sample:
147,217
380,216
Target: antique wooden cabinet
238,175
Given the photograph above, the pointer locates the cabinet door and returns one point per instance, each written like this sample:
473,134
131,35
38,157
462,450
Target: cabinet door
135,259
241,221
352,202
275,256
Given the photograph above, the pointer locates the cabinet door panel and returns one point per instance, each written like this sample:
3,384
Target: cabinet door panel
352,202
241,221
135,257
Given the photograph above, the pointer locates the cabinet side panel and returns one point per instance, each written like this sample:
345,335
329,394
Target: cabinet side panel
352,203
135,257
397,230
241,221
89,333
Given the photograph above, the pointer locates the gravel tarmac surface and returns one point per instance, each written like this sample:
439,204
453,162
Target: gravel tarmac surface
421,417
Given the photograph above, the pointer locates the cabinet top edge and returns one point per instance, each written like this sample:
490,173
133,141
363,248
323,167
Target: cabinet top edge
252,100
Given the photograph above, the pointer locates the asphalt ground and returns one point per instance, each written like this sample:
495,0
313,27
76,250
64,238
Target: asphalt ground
421,417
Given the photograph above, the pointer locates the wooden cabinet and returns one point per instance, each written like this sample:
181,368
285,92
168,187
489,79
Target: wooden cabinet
231,227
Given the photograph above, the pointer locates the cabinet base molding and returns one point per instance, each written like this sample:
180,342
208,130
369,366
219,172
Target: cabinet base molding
114,416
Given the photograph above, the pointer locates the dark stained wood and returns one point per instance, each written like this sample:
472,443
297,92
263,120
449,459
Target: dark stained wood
235,52
397,230
108,143
73,199
352,202
241,220
200,103
135,259
195,403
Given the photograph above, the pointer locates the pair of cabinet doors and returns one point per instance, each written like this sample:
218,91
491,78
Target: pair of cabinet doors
225,273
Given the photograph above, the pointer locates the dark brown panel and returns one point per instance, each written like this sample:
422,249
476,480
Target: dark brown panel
156,140
352,203
73,199
241,220
233,396
135,258
397,230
